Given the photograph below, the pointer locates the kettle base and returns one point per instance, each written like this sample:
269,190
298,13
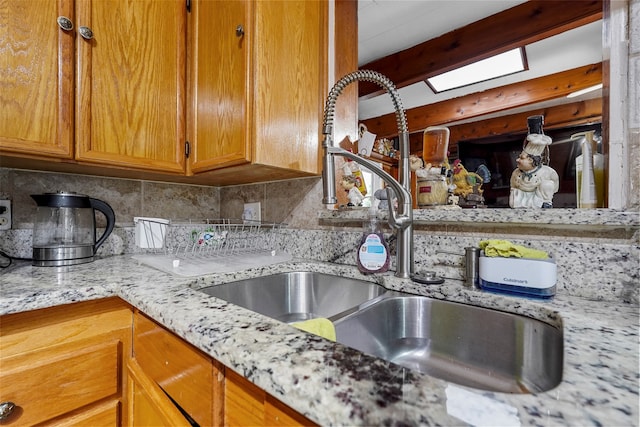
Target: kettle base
59,256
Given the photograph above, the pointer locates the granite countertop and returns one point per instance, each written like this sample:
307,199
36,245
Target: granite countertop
335,385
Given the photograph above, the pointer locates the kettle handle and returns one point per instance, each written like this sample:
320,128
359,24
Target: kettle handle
111,220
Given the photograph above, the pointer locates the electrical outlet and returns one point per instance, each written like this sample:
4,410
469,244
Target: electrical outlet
5,214
251,212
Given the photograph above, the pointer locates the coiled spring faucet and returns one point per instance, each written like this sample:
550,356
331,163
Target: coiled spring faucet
402,221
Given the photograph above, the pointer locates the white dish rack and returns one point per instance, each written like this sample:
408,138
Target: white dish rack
196,248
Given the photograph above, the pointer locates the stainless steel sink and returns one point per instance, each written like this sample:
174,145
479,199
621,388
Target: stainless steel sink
464,344
297,296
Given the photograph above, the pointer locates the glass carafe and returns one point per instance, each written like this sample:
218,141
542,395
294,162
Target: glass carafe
64,229
63,226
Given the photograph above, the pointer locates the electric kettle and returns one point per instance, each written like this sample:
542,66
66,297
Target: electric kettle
64,230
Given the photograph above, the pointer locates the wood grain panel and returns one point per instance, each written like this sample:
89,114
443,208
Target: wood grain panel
219,110
248,405
576,113
290,70
242,174
279,414
148,405
131,84
58,359
183,371
36,75
51,382
31,330
243,402
346,61
104,414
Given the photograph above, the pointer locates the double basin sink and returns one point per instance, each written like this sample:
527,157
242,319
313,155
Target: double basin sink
463,344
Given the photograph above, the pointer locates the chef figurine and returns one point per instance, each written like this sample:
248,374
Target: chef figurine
354,195
533,184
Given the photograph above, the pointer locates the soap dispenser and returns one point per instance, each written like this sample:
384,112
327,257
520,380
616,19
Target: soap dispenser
373,252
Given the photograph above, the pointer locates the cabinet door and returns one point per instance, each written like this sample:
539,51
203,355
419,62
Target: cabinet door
131,83
243,402
290,54
148,405
248,405
64,365
36,76
183,372
219,122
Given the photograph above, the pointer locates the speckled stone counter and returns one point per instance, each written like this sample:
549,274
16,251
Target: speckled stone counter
335,385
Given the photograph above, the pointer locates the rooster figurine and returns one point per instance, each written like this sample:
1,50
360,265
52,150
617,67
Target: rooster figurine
468,185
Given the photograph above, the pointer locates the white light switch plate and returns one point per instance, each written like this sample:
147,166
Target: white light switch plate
251,212
5,214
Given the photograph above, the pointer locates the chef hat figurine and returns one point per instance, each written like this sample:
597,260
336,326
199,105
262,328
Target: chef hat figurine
533,183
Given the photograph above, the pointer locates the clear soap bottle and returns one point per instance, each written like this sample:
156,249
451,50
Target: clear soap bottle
594,175
373,252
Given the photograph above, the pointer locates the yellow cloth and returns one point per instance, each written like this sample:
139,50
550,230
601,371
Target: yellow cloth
506,249
320,326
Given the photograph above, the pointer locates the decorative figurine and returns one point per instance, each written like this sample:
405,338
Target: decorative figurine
468,185
384,146
431,184
381,195
416,163
533,183
351,168
354,195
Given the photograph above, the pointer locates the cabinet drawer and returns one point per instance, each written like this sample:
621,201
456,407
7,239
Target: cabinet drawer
48,383
103,414
32,330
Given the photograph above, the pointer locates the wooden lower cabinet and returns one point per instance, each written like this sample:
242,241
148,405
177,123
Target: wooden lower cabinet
80,365
248,405
64,365
174,375
171,383
148,404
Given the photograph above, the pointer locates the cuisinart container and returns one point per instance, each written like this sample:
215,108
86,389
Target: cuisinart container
534,278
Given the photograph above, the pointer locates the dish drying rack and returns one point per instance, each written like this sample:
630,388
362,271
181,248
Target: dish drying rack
195,248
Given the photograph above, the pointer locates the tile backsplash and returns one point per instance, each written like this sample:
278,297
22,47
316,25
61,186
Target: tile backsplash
294,202
592,268
128,198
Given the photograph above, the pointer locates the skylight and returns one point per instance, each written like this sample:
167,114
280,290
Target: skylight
496,66
585,90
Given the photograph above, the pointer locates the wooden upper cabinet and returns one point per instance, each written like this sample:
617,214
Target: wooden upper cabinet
243,81
258,91
131,84
289,83
219,42
36,76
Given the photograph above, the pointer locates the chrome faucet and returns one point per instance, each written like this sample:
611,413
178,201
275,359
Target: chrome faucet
402,221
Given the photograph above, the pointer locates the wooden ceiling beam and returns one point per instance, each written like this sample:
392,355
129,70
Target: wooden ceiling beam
490,101
573,114
557,116
518,26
